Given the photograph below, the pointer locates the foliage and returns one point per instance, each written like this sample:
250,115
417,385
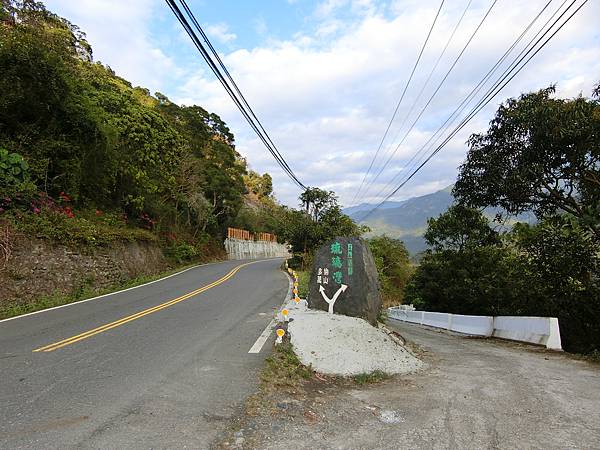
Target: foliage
317,201
478,280
182,252
374,377
84,131
549,269
459,228
79,230
393,267
303,283
562,276
261,186
14,171
541,154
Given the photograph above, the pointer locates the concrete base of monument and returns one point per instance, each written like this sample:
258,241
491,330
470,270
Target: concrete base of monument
340,345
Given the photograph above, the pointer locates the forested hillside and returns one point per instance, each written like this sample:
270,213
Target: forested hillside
87,158
78,141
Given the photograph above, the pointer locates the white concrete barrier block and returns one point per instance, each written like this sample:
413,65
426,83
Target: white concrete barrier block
473,325
553,342
435,319
535,330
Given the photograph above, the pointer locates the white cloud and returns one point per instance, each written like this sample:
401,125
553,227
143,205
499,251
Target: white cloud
220,32
326,96
120,37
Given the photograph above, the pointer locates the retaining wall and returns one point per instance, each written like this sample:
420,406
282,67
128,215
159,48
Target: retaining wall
242,249
534,330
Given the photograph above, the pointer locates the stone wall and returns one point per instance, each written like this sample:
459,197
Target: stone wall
242,249
38,267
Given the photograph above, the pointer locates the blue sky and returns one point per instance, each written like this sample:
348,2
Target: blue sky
324,75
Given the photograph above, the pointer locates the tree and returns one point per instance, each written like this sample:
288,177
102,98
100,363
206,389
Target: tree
541,154
458,228
261,186
315,201
561,269
393,266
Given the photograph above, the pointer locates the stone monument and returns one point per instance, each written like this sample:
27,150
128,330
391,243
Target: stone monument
344,279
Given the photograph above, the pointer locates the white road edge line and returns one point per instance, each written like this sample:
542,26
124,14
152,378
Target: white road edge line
105,295
260,342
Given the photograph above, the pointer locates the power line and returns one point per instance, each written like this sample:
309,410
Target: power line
443,52
242,104
478,88
434,92
400,101
482,103
235,86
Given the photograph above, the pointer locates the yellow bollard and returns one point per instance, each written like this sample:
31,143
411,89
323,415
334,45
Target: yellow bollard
280,332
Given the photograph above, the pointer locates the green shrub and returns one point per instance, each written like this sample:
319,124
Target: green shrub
393,267
182,252
14,170
550,269
76,230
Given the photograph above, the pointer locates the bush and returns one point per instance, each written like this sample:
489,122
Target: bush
550,269
480,280
182,252
393,266
14,170
74,229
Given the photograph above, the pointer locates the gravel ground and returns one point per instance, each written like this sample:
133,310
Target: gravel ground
334,344
474,394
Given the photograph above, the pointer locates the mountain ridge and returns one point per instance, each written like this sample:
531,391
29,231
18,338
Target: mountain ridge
407,220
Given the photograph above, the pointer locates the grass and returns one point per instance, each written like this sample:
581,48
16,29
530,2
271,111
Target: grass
283,368
84,291
84,229
376,376
303,280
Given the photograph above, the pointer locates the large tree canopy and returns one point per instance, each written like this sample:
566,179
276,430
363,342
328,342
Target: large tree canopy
86,132
540,153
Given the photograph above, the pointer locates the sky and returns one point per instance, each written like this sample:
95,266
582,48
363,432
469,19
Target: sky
324,76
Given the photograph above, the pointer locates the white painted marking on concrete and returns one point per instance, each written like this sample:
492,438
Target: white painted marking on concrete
105,295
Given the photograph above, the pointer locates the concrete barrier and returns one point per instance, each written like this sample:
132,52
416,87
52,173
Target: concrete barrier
243,249
437,320
535,330
406,315
475,325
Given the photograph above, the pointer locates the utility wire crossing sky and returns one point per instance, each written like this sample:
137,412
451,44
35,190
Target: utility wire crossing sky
325,77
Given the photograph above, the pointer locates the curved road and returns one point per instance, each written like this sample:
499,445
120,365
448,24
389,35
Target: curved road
163,365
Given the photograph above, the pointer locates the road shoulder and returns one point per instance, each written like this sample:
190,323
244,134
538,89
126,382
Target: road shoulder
473,394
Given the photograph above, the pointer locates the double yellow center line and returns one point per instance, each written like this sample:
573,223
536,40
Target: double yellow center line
145,312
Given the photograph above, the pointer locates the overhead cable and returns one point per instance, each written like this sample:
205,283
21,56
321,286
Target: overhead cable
234,92
483,102
399,101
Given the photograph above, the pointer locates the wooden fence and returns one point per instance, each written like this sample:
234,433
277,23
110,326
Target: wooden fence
245,235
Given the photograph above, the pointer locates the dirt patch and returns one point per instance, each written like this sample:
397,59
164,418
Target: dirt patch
294,400
474,393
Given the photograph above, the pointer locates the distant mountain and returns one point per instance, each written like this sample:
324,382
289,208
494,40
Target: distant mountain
366,206
407,220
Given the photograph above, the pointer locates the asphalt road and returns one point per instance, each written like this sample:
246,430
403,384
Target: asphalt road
123,372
